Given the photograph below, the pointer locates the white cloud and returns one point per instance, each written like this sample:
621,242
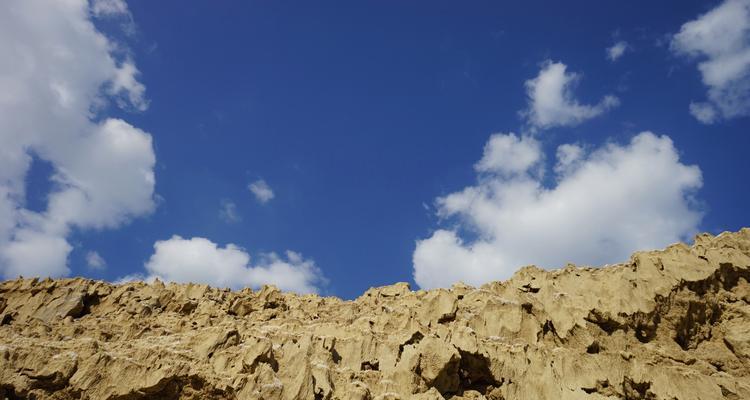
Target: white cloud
95,261
617,50
568,156
551,102
58,74
261,191
203,261
228,212
509,154
125,83
114,9
603,205
134,278
109,7
720,39
35,253
703,112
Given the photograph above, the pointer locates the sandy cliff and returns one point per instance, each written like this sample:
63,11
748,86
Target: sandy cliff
670,324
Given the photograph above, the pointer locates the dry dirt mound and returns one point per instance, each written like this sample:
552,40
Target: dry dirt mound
671,324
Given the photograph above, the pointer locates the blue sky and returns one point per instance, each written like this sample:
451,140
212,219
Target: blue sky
361,116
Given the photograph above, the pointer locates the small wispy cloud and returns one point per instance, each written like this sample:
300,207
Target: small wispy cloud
228,212
115,9
617,50
262,192
95,261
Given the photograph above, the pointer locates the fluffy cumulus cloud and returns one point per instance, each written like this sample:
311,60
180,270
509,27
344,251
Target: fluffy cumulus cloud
720,41
201,260
509,154
59,74
551,102
617,50
602,204
262,192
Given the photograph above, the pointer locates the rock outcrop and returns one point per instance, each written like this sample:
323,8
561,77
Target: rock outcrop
670,324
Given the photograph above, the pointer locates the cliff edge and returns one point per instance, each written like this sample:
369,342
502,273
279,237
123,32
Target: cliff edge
668,324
